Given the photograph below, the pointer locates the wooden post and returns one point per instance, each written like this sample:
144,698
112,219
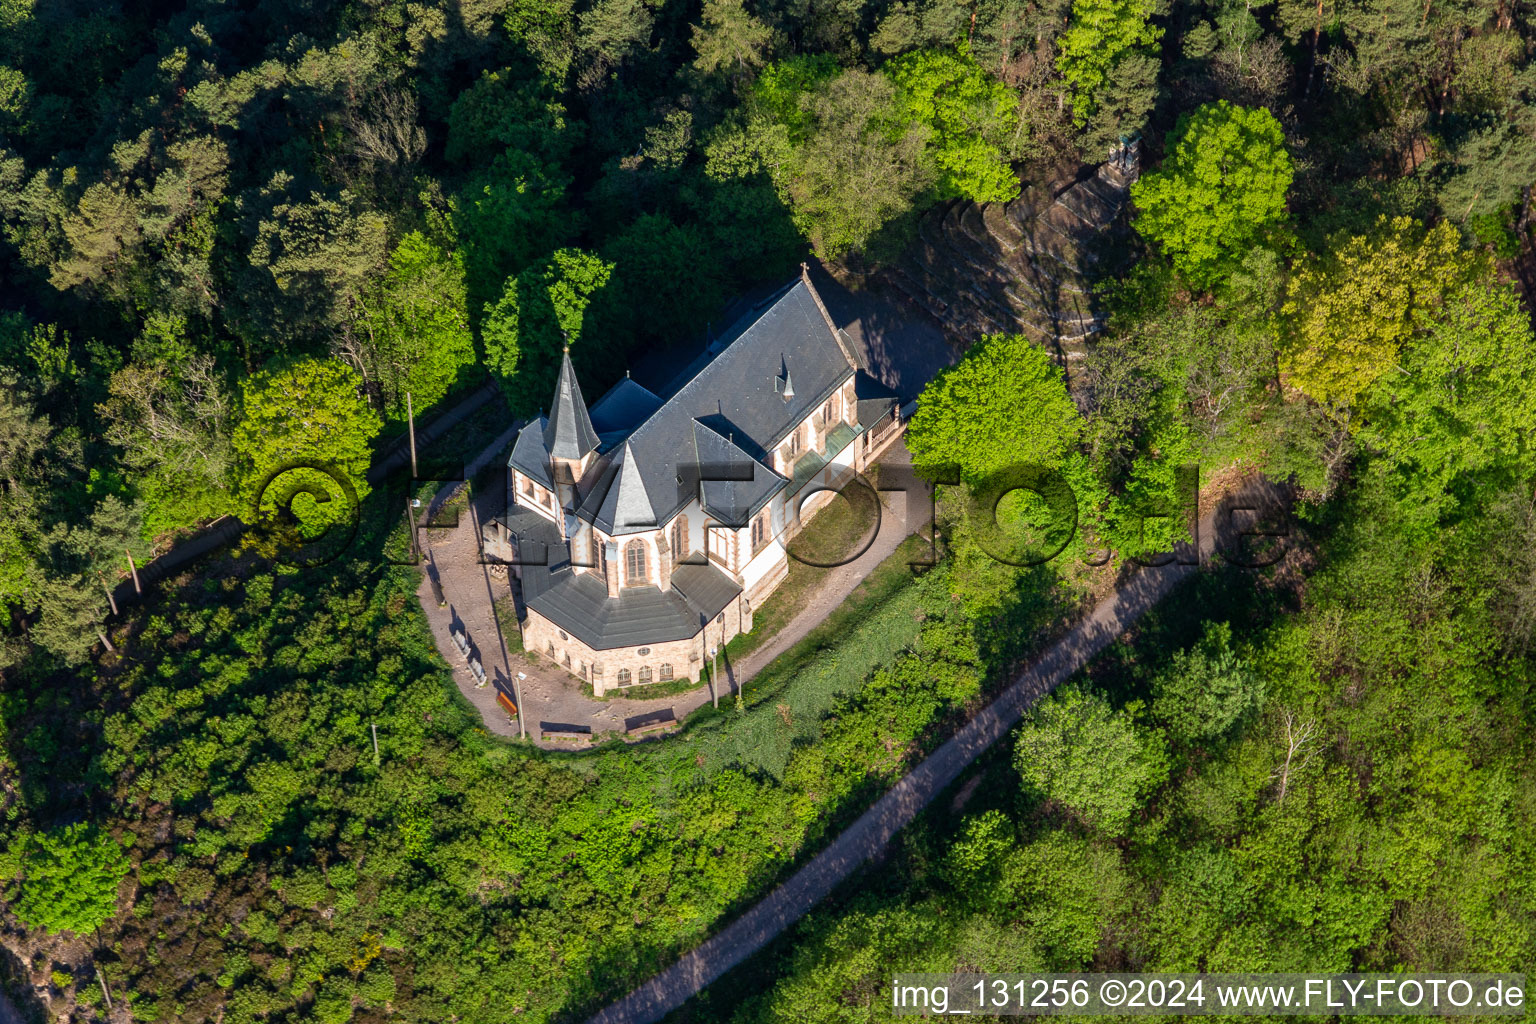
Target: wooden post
106,643
137,589
410,426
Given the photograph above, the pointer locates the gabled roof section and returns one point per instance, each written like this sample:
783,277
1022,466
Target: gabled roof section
733,484
579,602
622,409
568,434
529,454
627,505
874,399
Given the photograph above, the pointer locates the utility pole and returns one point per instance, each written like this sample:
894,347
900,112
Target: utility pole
374,727
135,570
106,643
112,601
714,673
410,426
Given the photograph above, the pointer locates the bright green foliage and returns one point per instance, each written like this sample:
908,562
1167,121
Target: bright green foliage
1207,690
1004,404
308,413
1101,36
781,90
1349,314
973,119
414,335
70,879
1220,191
541,311
544,28
975,855
1461,397
1079,753
17,568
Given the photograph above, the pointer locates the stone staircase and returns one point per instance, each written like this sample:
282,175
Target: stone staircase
1024,266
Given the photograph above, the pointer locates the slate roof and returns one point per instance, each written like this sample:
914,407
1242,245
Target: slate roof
738,396
622,409
530,454
568,432
873,399
578,602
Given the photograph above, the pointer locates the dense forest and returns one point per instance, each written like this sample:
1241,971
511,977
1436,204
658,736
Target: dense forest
238,235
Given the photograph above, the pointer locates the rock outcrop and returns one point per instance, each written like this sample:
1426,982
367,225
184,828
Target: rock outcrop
1026,266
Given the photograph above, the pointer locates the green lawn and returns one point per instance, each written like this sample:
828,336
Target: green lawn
841,528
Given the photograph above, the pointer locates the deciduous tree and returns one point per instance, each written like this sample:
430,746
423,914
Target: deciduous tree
1348,313
973,119
1004,404
70,879
413,333
542,310
1100,35
1078,752
1220,192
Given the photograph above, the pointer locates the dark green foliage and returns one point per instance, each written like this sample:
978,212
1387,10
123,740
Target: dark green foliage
234,235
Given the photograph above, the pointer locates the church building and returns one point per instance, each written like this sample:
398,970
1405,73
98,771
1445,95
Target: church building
645,529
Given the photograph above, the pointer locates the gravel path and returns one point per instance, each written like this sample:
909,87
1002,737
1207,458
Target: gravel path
867,836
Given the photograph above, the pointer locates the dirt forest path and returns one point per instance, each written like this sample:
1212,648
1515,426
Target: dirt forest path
867,836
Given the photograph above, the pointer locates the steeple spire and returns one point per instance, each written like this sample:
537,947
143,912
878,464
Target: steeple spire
569,433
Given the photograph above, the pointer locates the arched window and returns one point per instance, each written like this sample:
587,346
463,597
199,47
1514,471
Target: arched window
645,673
794,443
759,532
666,671
826,413
623,677
634,563
679,539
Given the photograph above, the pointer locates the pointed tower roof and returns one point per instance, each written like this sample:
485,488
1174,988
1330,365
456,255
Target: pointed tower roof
569,433
631,506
